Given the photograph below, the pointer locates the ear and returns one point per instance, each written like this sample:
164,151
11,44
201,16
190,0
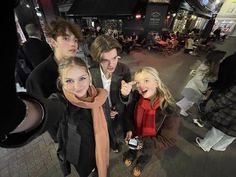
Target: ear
59,83
53,42
90,77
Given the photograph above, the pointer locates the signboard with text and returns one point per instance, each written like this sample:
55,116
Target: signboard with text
155,16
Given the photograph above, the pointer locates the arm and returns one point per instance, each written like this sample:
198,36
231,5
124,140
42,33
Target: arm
126,85
14,110
40,115
33,86
226,99
129,125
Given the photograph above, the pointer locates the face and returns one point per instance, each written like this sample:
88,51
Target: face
109,61
76,80
146,85
65,46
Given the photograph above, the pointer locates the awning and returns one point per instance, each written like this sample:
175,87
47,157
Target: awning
199,9
94,8
184,5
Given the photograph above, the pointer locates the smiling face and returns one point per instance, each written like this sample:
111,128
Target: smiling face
146,84
75,79
109,61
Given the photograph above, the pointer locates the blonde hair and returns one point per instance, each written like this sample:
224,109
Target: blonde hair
163,92
69,62
101,44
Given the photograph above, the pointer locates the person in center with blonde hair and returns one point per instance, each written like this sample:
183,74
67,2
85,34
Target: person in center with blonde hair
153,122
83,139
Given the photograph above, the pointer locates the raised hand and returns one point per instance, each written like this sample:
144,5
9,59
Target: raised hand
126,87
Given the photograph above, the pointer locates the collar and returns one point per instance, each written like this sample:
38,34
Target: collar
103,75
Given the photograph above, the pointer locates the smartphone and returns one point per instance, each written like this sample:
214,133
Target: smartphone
133,143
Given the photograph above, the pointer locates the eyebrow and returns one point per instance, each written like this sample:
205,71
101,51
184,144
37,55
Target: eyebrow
79,76
111,58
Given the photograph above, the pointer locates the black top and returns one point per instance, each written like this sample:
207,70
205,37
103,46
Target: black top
36,51
42,81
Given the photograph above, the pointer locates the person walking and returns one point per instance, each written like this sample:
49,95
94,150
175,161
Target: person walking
197,86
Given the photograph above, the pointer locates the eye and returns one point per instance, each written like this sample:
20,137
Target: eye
76,40
69,81
146,80
82,78
66,38
104,61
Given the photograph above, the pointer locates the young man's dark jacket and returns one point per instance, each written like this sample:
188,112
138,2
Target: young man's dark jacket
42,81
122,72
36,51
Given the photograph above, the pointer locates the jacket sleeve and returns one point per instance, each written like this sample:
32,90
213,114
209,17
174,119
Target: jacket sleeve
167,136
126,78
34,87
225,99
129,113
53,110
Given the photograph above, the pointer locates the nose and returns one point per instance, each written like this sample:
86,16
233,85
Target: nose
76,86
73,43
140,85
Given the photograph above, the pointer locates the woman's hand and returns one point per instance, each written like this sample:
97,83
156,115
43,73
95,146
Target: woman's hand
128,136
113,114
126,87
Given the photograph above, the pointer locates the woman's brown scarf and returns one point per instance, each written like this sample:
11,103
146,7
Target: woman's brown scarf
94,101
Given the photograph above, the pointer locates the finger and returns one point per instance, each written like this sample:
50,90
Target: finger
123,82
132,83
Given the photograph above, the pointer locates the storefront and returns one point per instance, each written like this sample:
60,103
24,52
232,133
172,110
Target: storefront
181,21
227,25
190,17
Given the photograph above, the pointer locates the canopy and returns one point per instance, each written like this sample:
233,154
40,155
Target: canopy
94,8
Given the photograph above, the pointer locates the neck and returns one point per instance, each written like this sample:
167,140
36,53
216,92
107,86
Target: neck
57,58
107,75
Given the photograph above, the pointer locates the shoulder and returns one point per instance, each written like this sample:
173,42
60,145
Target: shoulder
122,65
49,63
123,68
94,69
170,111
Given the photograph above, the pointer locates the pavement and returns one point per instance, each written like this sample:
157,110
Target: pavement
186,159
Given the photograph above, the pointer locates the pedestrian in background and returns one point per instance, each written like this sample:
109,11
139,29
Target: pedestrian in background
197,86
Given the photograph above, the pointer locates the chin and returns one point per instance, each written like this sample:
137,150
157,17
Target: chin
80,95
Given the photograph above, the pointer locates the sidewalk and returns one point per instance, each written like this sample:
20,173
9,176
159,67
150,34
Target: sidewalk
38,159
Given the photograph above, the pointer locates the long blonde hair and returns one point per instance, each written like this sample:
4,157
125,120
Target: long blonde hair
163,92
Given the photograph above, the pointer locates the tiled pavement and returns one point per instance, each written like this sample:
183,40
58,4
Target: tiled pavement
38,159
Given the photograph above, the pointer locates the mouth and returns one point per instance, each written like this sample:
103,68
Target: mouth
73,51
143,92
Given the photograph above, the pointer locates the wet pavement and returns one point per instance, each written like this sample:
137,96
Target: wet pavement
38,159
